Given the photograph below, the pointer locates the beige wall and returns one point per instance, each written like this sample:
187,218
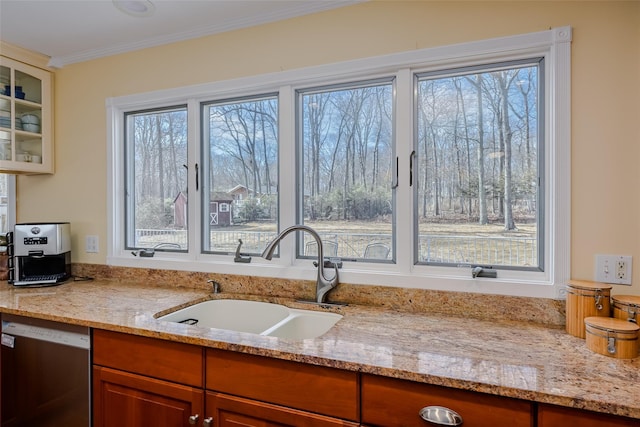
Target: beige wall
605,101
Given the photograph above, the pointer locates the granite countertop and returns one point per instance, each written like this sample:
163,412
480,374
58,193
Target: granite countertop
508,358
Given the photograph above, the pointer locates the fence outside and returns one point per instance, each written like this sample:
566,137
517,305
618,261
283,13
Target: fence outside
512,251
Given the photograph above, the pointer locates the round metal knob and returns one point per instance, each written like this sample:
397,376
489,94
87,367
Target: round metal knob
208,422
440,416
193,419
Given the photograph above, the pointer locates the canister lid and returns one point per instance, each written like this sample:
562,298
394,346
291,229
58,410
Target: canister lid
611,324
627,299
587,284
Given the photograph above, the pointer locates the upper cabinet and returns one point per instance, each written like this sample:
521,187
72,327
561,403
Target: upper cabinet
26,118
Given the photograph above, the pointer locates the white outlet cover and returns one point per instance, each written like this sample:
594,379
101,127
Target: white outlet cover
607,271
91,244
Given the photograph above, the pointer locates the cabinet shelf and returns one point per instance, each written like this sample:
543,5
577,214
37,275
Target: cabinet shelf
26,134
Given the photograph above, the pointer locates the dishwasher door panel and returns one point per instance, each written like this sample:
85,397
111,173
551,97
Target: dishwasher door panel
44,383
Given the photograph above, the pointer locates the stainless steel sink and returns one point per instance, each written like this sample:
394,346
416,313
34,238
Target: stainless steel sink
255,317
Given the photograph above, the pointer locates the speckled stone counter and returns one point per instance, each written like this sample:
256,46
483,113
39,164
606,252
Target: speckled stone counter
520,359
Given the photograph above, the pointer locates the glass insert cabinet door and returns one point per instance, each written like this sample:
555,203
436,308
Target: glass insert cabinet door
25,118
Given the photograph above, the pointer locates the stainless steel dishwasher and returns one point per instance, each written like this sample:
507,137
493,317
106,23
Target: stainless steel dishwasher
45,369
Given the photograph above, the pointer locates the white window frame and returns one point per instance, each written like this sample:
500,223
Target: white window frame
554,45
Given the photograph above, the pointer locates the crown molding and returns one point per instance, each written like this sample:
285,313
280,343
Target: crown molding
24,55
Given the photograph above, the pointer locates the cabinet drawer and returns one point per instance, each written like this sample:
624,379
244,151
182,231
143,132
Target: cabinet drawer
237,411
391,402
318,389
551,416
177,362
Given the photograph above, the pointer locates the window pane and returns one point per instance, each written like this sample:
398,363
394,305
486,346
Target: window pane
240,199
157,179
4,204
478,163
347,147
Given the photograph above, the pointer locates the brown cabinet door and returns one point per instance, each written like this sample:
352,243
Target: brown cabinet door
121,399
557,416
231,411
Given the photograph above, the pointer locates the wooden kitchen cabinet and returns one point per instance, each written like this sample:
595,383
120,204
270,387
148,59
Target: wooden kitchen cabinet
553,416
392,402
122,399
146,381
26,118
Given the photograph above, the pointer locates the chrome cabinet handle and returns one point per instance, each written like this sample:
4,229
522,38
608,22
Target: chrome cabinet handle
193,419
208,422
440,416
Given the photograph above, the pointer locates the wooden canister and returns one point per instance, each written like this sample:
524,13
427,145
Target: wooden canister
586,299
612,337
626,307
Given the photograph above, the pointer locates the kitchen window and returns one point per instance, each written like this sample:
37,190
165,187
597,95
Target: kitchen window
346,169
479,171
155,176
7,217
376,154
7,202
240,174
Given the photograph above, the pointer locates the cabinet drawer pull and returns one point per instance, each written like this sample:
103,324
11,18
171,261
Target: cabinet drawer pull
193,419
440,416
208,422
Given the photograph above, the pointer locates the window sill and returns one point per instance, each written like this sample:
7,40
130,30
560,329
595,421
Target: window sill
531,284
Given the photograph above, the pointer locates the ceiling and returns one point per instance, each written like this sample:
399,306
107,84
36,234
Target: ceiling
70,31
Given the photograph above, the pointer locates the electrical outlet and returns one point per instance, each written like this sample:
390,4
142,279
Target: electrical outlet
614,269
91,244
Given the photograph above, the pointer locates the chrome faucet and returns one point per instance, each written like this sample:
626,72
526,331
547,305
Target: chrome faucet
323,285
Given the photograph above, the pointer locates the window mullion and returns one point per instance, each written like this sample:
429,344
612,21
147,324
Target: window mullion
404,146
287,172
194,205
